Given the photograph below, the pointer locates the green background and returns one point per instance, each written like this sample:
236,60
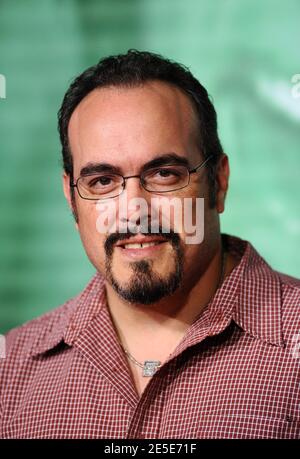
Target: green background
244,51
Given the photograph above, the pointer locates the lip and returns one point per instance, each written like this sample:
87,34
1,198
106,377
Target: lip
142,253
140,240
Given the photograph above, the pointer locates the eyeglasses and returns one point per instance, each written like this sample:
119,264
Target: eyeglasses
161,179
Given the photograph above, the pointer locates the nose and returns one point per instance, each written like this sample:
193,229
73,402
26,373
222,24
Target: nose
137,201
133,186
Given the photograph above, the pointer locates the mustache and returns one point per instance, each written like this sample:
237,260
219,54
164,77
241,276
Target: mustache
113,238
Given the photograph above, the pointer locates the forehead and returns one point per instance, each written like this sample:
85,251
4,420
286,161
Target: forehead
122,123
161,94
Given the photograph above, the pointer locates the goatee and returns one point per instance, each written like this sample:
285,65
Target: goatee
146,286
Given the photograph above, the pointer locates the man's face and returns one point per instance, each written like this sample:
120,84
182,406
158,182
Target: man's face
127,128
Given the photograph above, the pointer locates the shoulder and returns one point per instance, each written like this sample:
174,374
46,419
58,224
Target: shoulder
290,291
20,340
290,302
289,281
46,331
269,301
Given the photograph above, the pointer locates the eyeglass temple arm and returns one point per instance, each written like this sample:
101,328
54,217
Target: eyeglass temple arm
200,165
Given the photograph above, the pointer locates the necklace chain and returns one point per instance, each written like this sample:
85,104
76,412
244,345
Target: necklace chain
139,364
150,366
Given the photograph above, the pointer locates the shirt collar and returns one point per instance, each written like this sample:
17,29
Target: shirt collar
258,310
72,318
250,296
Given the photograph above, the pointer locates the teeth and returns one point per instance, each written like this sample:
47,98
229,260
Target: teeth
140,246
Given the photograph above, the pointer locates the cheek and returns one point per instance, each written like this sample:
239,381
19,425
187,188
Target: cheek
189,251
192,225
87,215
92,239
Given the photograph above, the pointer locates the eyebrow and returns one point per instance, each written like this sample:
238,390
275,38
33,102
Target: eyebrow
96,168
161,160
167,158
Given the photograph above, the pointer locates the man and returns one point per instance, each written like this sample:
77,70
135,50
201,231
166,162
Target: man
173,337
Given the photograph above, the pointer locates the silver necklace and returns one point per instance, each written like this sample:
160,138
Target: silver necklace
150,367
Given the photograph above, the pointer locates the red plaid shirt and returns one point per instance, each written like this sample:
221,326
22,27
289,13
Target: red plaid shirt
235,374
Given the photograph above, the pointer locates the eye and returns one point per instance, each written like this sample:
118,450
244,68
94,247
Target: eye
101,181
105,180
166,172
165,177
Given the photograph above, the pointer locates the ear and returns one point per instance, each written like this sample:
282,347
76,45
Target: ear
67,193
222,178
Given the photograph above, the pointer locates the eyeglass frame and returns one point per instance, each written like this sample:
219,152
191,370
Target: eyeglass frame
190,171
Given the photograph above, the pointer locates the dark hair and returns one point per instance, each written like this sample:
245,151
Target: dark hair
133,69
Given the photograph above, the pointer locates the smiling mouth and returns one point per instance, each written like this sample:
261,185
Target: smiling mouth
141,242
141,245
141,249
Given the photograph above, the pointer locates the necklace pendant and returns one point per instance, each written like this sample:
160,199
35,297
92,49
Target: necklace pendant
150,367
